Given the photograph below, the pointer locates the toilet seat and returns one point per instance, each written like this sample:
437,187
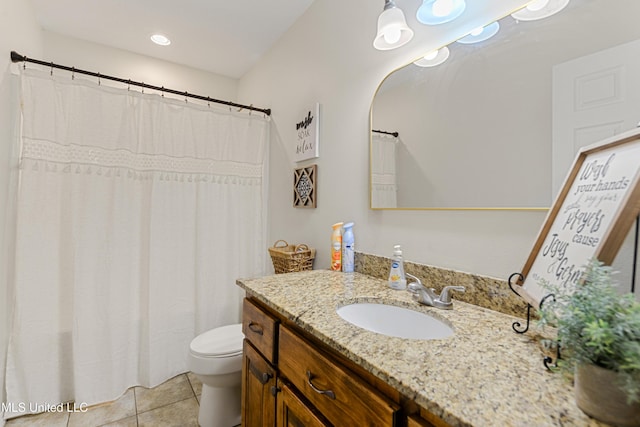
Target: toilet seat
221,342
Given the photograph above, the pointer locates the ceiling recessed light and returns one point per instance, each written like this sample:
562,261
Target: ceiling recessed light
160,39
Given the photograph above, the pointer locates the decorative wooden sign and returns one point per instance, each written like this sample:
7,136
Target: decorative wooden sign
308,135
590,218
304,187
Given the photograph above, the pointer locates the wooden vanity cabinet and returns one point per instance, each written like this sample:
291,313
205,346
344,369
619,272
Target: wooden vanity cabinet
290,379
259,376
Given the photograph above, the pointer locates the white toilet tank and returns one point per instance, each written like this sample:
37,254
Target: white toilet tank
217,351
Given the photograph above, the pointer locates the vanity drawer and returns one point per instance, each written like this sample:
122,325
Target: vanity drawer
259,328
337,393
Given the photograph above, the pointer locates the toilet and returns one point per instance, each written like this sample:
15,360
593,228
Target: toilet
215,357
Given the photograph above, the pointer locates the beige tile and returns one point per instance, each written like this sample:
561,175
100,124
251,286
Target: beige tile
196,385
45,419
179,414
105,413
174,390
127,422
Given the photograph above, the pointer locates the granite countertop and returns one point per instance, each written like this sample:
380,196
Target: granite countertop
484,375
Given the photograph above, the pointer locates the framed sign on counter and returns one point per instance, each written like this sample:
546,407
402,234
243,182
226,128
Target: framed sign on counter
590,218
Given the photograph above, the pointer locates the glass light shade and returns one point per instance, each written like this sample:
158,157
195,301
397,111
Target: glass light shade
433,58
393,30
534,13
160,39
477,36
434,12
536,5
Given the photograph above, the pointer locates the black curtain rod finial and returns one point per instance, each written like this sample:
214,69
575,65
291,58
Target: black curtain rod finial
16,57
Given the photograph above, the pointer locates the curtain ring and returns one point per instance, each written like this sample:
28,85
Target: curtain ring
162,91
129,85
73,73
99,79
51,71
208,102
142,86
186,94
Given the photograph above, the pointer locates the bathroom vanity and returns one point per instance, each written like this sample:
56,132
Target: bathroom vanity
304,365
306,372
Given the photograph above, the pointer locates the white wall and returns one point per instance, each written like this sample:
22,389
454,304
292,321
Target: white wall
328,57
123,64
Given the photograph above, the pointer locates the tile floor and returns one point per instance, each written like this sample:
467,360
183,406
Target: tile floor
173,403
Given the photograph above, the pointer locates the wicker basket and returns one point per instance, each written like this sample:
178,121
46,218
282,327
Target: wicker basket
289,258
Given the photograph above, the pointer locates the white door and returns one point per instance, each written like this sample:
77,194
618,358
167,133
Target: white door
595,97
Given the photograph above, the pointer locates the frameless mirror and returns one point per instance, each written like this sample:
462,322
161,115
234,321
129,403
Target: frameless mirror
498,124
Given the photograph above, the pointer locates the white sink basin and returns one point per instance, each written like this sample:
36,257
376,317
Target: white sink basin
395,321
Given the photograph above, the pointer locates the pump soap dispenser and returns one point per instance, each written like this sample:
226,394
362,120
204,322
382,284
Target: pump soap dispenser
397,279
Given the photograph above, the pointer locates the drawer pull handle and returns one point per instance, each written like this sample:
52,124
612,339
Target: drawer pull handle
255,328
329,393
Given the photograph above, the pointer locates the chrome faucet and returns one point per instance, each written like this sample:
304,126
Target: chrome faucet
428,296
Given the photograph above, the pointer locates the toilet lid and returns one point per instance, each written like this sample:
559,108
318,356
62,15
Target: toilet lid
224,341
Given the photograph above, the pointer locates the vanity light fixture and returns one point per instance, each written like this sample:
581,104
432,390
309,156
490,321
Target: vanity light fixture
481,34
160,39
433,58
393,30
540,9
434,12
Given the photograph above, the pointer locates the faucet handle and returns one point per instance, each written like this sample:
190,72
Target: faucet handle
414,287
445,295
417,281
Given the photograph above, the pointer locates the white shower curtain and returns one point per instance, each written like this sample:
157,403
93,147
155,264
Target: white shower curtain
384,188
135,216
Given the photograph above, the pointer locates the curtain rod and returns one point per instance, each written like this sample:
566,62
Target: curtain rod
16,57
386,133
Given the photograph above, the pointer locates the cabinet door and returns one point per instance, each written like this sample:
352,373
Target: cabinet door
258,389
292,412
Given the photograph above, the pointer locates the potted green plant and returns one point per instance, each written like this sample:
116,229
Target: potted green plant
599,336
